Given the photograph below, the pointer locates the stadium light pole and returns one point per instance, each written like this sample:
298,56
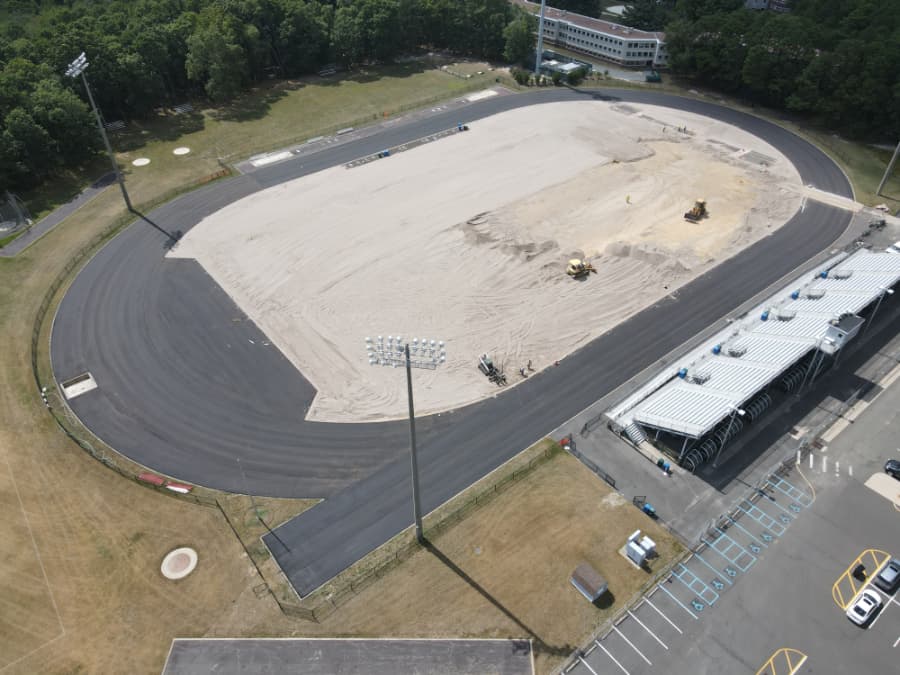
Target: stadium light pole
393,352
539,52
734,412
76,68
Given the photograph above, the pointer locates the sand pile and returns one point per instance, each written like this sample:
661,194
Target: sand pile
465,239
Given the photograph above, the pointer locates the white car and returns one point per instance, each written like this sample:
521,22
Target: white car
893,248
867,603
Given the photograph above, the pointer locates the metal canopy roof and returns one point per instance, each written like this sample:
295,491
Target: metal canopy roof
748,356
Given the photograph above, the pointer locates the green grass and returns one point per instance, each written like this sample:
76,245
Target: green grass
12,237
273,115
865,167
281,113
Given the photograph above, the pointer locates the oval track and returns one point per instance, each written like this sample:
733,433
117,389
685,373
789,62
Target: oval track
188,386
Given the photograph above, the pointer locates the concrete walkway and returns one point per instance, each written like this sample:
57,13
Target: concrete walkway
43,226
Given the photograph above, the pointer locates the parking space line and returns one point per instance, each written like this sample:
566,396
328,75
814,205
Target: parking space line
896,642
640,653
731,544
705,593
790,515
700,558
681,604
884,609
791,490
678,601
763,518
671,623
588,665
652,634
612,657
756,540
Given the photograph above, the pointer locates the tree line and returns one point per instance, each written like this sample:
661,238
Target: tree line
837,61
145,54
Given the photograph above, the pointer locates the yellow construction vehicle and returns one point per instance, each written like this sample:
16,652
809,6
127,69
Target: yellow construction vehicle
579,268
697,212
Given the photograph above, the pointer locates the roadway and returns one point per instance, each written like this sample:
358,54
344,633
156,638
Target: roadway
188,385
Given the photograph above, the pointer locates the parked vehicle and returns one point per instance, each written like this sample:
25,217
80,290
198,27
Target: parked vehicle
892,468
862,611
888,579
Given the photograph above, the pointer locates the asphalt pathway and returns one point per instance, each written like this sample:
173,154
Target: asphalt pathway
313,656
46,224
188,385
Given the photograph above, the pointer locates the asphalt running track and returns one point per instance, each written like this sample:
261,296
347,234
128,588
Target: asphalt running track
188,386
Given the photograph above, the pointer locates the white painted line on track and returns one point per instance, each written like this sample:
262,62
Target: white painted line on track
652,634
587,665
671,623
837,468
678,601
824,465
612,657
640,653
811,459
798,458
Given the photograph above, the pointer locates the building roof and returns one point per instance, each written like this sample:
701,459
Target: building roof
743,359
590,23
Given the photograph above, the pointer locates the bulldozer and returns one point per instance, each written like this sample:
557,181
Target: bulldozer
697,212
579,268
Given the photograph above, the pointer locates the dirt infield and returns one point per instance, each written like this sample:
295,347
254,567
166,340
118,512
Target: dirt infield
466,239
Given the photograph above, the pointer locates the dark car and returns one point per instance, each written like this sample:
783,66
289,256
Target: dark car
892,468
888,579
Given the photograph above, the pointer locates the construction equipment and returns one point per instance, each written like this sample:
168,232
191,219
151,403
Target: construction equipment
697,212
579,268
495,375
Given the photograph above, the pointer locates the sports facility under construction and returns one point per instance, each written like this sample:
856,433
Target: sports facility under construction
694,408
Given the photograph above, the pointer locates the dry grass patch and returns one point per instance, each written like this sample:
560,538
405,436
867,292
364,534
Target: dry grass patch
504,570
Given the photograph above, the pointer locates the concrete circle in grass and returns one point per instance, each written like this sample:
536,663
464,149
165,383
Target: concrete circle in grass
179,563
181,151
141,161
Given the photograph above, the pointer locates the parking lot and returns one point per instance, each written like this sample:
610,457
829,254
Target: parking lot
663,623
764,579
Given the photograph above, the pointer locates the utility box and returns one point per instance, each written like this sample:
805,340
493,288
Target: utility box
589,582
636,553
648,545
